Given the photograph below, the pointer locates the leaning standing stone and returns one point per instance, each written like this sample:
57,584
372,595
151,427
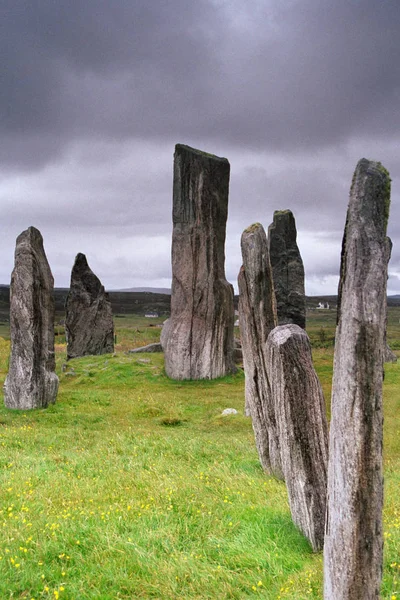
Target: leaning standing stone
301,426
354,542
31,381
287,269
89,327
198,342
257,316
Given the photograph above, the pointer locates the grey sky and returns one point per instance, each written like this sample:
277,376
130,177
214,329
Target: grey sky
95,94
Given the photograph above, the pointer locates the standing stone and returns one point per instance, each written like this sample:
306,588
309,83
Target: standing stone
31,381
257,316
354,542
301,426
198,339
287,269
89,327
389,355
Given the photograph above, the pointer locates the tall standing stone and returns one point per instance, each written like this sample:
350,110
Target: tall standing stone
31,381
198,339
257,316
354,542
389,355
287,269
301,427
89,327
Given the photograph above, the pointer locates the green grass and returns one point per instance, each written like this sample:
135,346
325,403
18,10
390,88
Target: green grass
135,486
135,331
321,325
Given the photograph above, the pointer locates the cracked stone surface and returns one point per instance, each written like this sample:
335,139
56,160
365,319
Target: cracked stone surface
198,338
287,269
89,327
257,317
354,538
302,427
31,381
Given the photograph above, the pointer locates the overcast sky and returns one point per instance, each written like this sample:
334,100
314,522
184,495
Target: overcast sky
94,95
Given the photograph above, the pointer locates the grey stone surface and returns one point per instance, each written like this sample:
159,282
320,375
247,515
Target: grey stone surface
31,381
257,316
287,269
389,355
164,333
229,411
198,338
89,327
354,540
149,348
302,427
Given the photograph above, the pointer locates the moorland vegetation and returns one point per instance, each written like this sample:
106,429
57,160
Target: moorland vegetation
135,486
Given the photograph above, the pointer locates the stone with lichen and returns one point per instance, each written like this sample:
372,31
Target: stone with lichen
301,426
287,269
198,338
353,552
257,317
89,327
31,380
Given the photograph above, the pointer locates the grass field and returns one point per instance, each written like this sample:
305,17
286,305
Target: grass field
135,486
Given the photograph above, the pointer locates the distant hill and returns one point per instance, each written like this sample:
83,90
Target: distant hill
145,289
140,302
122,302
143,300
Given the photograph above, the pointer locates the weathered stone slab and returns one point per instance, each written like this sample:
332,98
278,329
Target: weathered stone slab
302,427
89,327
31,381
164,333
198,339
257,316
389,355
149,348
354,542
287,269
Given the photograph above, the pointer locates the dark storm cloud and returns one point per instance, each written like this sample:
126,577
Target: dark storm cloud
94,94
267,74
125,186
76,69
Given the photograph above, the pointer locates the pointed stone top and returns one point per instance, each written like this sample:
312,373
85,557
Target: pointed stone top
253,228
30,242
281,213
284,221
183,149
364,164
82,275
81,261
376,190
32,234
